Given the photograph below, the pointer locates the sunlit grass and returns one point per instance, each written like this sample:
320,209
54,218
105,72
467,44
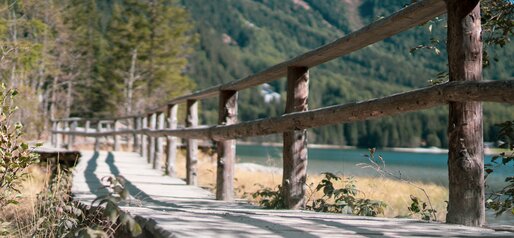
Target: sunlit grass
396,194
21,216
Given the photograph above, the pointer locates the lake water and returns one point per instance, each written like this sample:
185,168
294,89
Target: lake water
425,167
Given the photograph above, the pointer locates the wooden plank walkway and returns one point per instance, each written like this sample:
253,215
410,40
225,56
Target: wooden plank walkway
168,207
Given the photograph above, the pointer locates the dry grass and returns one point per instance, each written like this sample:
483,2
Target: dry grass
22,215
396,194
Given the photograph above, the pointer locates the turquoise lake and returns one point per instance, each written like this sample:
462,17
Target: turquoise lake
425,167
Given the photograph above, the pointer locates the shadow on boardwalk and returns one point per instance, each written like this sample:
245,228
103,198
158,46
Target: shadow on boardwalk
169,207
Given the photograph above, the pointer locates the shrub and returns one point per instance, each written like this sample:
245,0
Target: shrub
15,154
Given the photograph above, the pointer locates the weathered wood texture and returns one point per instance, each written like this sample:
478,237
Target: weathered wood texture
227,115
171,141
97,138
144,138
416,100
191,146
159,143
64,127
53,137
72,126
294,151
136,125
465,132
87,125
151,140
116,137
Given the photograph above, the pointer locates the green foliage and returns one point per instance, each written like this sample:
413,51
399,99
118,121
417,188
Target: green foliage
503,200
112,211
15,154
269,198
252,35
419,207
345,200
159,31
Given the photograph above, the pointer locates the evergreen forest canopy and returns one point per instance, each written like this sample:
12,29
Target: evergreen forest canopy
240,37
104,58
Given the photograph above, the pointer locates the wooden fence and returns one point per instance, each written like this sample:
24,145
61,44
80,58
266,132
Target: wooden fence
464,92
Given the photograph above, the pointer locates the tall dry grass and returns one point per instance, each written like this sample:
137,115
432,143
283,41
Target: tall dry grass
396,194
19,218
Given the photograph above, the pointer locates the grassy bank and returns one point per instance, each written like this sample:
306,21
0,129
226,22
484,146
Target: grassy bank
45,208
396,194
19,218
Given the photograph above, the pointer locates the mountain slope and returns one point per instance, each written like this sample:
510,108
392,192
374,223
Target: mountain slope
241,37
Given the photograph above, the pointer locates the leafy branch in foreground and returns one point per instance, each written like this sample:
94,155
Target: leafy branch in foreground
424,209
497,29
15,154
503,200
112,211
344,198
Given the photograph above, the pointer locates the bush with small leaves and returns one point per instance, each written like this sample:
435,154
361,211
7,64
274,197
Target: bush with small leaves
15,154
345,198
503,200
419,207
270,198
112,211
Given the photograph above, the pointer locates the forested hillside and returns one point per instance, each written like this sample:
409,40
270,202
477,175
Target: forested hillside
101,58
240,37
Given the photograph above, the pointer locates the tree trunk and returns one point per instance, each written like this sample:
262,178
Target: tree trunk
465,134
129,84
69,99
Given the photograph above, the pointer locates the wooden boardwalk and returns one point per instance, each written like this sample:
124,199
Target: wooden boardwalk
167,207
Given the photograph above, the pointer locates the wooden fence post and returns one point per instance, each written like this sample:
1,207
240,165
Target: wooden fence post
116,138
171,141
71,138
151,139
465,130
58,138
73,128
192,145
87,124
144,139
159,143
227,115
97,138
65,127
54,135
295,142
136,125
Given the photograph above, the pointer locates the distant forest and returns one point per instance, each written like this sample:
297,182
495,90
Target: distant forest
100,58
240,37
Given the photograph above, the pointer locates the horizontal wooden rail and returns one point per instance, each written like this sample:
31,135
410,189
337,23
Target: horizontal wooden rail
420,99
